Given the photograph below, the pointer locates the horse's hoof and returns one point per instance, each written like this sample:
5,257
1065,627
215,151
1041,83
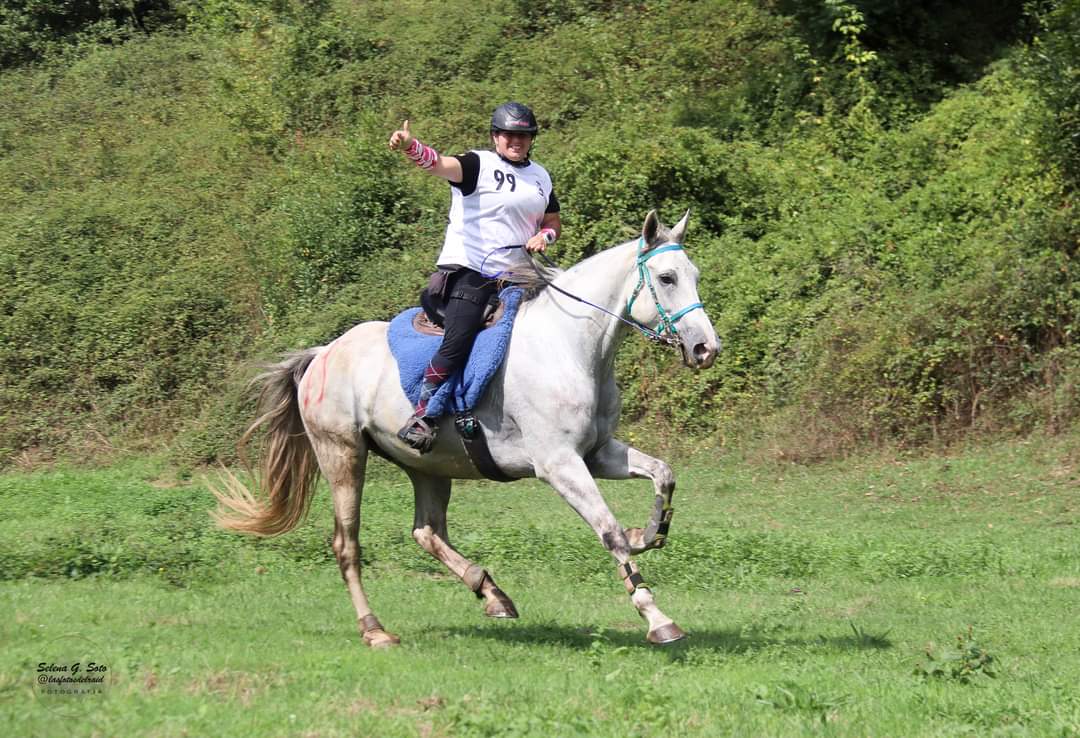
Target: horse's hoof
636,538
665,634
501,606
380,639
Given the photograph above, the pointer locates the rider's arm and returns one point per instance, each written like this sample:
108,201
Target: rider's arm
447,167
551,216
552,222
550,227
539,242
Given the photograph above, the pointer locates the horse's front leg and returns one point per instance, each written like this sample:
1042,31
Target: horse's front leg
617,460
570,477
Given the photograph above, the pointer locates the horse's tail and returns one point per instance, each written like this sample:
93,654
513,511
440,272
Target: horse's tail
288,467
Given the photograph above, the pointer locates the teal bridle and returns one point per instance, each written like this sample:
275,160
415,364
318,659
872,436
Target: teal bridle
667,322
665,332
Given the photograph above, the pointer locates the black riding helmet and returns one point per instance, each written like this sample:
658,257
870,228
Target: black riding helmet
514,117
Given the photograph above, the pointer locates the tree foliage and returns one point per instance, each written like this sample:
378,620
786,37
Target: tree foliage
1054,63
882,200
32,30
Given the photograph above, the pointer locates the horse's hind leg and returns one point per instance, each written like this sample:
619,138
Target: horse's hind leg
429,530
342,463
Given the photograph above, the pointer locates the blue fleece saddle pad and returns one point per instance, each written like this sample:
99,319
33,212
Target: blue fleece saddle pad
463,389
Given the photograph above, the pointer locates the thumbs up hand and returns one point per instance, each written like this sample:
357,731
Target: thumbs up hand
401,138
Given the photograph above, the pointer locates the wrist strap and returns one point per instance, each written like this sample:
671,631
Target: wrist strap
549,235
423,155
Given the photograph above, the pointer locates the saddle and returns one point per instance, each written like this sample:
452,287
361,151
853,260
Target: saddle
423,324
414,338
413,349
429,321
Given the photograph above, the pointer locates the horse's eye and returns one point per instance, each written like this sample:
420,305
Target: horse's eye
668,279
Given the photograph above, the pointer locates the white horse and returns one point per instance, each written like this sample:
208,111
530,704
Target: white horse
549,412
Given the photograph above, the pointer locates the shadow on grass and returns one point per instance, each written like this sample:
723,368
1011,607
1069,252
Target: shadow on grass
723,640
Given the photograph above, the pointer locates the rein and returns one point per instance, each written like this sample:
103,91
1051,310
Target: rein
667,322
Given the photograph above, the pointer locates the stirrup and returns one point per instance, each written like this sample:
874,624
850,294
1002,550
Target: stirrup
418,433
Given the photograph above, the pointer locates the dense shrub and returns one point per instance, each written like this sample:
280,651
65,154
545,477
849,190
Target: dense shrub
339,207
31,30
885,231
124,291
909,293
1054,62
920,50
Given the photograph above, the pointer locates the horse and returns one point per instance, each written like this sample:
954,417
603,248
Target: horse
550,412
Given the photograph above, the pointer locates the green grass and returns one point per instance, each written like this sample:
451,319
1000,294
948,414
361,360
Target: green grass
811,594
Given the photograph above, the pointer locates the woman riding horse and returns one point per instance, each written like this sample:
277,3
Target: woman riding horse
326,408
499,198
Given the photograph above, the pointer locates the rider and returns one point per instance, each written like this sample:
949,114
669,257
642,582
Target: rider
498,198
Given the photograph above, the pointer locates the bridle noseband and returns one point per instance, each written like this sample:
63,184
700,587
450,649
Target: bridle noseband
667,322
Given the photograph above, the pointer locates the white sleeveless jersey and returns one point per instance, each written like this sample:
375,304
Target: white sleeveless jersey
505,209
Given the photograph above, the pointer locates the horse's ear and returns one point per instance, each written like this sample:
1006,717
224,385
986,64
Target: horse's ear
651,228
679,231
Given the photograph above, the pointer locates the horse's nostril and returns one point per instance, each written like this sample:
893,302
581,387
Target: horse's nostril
704,355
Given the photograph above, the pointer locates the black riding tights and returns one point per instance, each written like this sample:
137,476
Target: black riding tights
468,294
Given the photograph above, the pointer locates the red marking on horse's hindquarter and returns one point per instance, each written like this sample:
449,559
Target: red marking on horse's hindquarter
324,357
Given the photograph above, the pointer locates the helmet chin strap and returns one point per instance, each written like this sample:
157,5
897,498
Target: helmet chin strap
523,163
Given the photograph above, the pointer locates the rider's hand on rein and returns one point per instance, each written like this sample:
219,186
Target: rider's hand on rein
536,243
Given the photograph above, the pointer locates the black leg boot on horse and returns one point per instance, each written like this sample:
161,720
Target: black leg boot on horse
468,295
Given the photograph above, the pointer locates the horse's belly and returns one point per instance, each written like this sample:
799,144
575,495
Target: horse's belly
447,459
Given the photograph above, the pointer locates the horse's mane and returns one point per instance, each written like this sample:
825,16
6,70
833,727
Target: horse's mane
534,280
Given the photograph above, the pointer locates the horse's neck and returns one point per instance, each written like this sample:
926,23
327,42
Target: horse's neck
602,280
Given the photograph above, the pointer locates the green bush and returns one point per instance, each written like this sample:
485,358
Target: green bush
125,292
886,235
341,206
1054,64
32,30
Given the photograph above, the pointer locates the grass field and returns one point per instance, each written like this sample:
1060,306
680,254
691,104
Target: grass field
812,596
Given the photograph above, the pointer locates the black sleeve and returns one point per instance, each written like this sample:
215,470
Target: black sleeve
553,203
470,172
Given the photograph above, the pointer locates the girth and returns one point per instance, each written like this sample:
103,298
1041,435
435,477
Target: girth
476,446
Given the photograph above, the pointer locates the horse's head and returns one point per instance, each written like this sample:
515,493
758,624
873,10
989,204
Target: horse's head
665,297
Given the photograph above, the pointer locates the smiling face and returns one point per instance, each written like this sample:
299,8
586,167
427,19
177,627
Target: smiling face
513,146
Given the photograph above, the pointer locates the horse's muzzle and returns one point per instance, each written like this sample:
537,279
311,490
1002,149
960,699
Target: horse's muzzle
705,355
701,355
